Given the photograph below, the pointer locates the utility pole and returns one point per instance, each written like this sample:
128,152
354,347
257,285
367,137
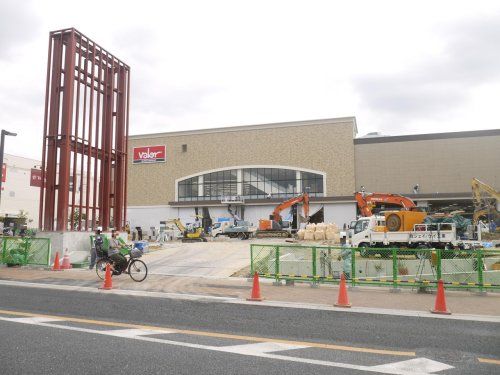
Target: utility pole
4,133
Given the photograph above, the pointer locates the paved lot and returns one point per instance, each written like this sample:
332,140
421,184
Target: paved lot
77,332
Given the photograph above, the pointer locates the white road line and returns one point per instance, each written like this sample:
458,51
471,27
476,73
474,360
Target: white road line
33,320
261,347
253,353
133,332
292,305
422,364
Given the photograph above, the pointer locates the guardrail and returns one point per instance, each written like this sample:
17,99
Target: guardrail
25,250
421,268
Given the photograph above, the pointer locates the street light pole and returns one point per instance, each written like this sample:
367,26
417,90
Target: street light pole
4,133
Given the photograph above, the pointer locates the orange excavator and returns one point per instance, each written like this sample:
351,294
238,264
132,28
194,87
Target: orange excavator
273,227
402,220
368,201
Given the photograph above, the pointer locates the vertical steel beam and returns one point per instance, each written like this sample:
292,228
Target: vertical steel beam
66,127
44,141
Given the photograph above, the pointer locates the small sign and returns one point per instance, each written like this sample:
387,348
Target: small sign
4,172
36,177
149,154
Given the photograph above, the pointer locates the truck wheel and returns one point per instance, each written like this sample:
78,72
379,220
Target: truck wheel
363,250
424,253
242,236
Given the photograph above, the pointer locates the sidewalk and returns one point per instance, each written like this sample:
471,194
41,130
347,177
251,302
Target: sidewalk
459,302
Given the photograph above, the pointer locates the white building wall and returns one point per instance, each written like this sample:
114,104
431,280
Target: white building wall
150,216
17,194
340,213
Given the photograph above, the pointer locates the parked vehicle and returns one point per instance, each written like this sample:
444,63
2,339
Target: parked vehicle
371,234
240,229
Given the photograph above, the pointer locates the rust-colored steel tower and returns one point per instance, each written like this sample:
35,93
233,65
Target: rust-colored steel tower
84,158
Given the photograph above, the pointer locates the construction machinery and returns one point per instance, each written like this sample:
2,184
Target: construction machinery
402,220
368,201
190,233
485,199
273,227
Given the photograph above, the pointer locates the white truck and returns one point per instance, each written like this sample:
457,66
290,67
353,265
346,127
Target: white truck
370,234
239,229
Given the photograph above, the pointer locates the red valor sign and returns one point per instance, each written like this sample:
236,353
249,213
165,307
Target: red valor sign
36,177
4,172
149,154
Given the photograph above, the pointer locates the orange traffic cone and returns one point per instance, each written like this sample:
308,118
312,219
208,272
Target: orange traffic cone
255,289
343,300
108,284
56,266
440,306
66,265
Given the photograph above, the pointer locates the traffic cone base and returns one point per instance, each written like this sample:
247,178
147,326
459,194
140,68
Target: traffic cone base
343,300
255,289
57,265
66,264
440,305
108,283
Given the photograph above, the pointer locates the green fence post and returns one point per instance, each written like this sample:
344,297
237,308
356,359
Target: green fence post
49,248
480,280
277,265
251,261
3,249
25,245
353,266
314,262
394,269
439,266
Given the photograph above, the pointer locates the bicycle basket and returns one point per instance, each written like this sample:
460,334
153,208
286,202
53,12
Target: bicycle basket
135,253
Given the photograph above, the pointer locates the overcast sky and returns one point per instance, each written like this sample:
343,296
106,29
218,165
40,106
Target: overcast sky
400,67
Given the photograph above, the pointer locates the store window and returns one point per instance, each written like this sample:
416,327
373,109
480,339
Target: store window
251,183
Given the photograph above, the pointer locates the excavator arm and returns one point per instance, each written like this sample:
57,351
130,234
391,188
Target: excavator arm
367,201
178,224
303,198
480,191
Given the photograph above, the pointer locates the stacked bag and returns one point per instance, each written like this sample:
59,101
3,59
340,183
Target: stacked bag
320,232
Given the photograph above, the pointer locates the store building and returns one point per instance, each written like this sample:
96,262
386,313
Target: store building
253,168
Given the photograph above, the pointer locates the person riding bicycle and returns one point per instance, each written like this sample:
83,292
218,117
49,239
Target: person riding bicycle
119,261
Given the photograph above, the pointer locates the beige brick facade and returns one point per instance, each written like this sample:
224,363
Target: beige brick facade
443,165
320,145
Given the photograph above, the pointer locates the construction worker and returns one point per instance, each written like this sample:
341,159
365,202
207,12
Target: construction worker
346,256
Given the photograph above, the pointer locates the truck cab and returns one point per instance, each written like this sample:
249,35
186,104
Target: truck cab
361,228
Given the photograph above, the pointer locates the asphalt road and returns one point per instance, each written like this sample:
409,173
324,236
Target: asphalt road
95,333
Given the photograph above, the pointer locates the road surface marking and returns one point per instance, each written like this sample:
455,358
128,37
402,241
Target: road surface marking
135,332
218,335
252,353
35,320
489,360
416,364
261,347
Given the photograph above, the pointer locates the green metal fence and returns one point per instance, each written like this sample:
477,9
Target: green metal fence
420,268
25,250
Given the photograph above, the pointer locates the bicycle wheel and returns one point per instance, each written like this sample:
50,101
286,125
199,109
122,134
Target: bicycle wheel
100,268
137,270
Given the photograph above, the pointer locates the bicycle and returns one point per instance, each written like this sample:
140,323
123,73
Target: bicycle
136,268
